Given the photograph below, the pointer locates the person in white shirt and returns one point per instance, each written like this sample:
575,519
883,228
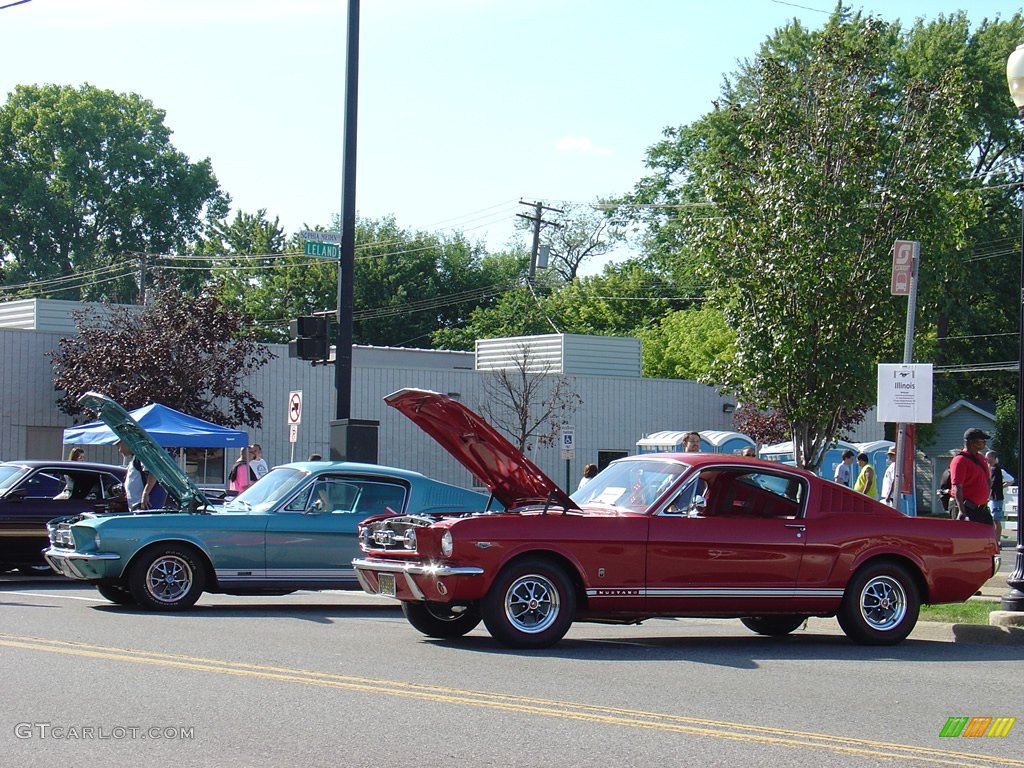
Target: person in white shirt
844,470
257,463
889,495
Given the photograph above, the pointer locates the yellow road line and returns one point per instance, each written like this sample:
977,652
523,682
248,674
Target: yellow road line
522,704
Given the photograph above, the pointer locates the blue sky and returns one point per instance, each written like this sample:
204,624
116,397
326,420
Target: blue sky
465,106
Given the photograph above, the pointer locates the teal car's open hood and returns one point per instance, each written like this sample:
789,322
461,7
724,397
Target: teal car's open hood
181,491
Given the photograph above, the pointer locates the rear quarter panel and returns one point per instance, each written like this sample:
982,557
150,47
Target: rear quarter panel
845,530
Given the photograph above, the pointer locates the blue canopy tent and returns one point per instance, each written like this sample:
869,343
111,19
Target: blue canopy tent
167,427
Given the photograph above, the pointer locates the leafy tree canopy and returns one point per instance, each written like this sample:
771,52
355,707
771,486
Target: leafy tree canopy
188,353
829,146
87,178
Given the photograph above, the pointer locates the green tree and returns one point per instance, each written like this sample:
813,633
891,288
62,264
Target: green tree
188,353
824,152
1007,441
89,177
687,344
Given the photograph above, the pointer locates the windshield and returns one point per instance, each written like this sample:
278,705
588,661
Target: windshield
10,474
633,484
270,489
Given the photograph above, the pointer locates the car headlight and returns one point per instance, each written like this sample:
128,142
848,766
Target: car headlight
410,538
447,544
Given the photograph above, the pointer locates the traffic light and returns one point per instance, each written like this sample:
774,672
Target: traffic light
307,338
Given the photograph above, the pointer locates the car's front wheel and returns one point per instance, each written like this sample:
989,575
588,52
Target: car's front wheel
116,593
531,604
167,577
439,620
880,605
774,626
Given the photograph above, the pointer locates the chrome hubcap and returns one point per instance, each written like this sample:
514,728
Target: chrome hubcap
169,578
883,603
532,603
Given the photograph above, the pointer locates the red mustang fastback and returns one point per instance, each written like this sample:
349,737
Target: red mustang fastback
659,535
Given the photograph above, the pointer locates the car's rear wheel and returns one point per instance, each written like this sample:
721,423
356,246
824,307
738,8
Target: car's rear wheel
530,605
774,626
168,577
116,593
440,620
880,605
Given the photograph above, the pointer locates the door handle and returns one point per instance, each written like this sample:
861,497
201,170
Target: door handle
798,527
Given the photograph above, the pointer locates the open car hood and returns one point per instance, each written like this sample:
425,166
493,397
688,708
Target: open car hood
494,461
178,485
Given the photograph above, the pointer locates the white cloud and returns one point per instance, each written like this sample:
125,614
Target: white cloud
580,144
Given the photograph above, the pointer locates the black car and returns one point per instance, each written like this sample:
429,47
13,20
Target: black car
34,492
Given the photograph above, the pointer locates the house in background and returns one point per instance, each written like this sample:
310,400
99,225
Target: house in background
951,423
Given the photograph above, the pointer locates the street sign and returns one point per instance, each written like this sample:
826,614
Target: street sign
293,433
320,237
902,266
322,250
905,392
568,443
295,408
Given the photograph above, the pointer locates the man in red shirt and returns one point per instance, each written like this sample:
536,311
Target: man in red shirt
969,479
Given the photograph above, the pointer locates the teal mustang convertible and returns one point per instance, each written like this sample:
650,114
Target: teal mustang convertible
295,528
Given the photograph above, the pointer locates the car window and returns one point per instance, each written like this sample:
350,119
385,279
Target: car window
43,485
10,474
111,486
376,498
735,492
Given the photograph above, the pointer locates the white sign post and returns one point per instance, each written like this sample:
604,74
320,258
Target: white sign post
295,407
294,418
568,453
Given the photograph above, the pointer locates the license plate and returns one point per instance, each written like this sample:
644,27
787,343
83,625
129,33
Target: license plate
386,584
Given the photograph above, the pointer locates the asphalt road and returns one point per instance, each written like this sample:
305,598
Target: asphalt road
340,679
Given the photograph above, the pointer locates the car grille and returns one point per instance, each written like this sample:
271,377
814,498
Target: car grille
395,534
61,536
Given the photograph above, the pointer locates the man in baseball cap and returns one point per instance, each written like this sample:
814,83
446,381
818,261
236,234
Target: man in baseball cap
969,479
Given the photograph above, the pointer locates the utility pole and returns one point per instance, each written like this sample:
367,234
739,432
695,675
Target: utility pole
537,220
142,279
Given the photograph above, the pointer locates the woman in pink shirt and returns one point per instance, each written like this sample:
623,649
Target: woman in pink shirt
241,476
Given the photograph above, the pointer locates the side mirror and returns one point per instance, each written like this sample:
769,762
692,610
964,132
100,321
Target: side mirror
315,508
18,494
698,505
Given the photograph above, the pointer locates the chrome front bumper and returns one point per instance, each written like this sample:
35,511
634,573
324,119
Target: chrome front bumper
407,571
78,565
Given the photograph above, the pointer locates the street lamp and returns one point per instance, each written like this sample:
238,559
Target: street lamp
1013,600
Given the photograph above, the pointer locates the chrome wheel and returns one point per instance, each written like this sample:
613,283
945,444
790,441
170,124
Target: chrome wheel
531,603
167,578
883,603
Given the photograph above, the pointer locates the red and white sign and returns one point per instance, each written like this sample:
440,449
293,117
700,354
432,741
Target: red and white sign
902,267
294,408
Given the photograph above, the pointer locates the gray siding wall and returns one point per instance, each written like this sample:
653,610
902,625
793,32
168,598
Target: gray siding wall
615,413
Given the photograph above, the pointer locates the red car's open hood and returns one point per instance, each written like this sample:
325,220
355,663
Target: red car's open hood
493,460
